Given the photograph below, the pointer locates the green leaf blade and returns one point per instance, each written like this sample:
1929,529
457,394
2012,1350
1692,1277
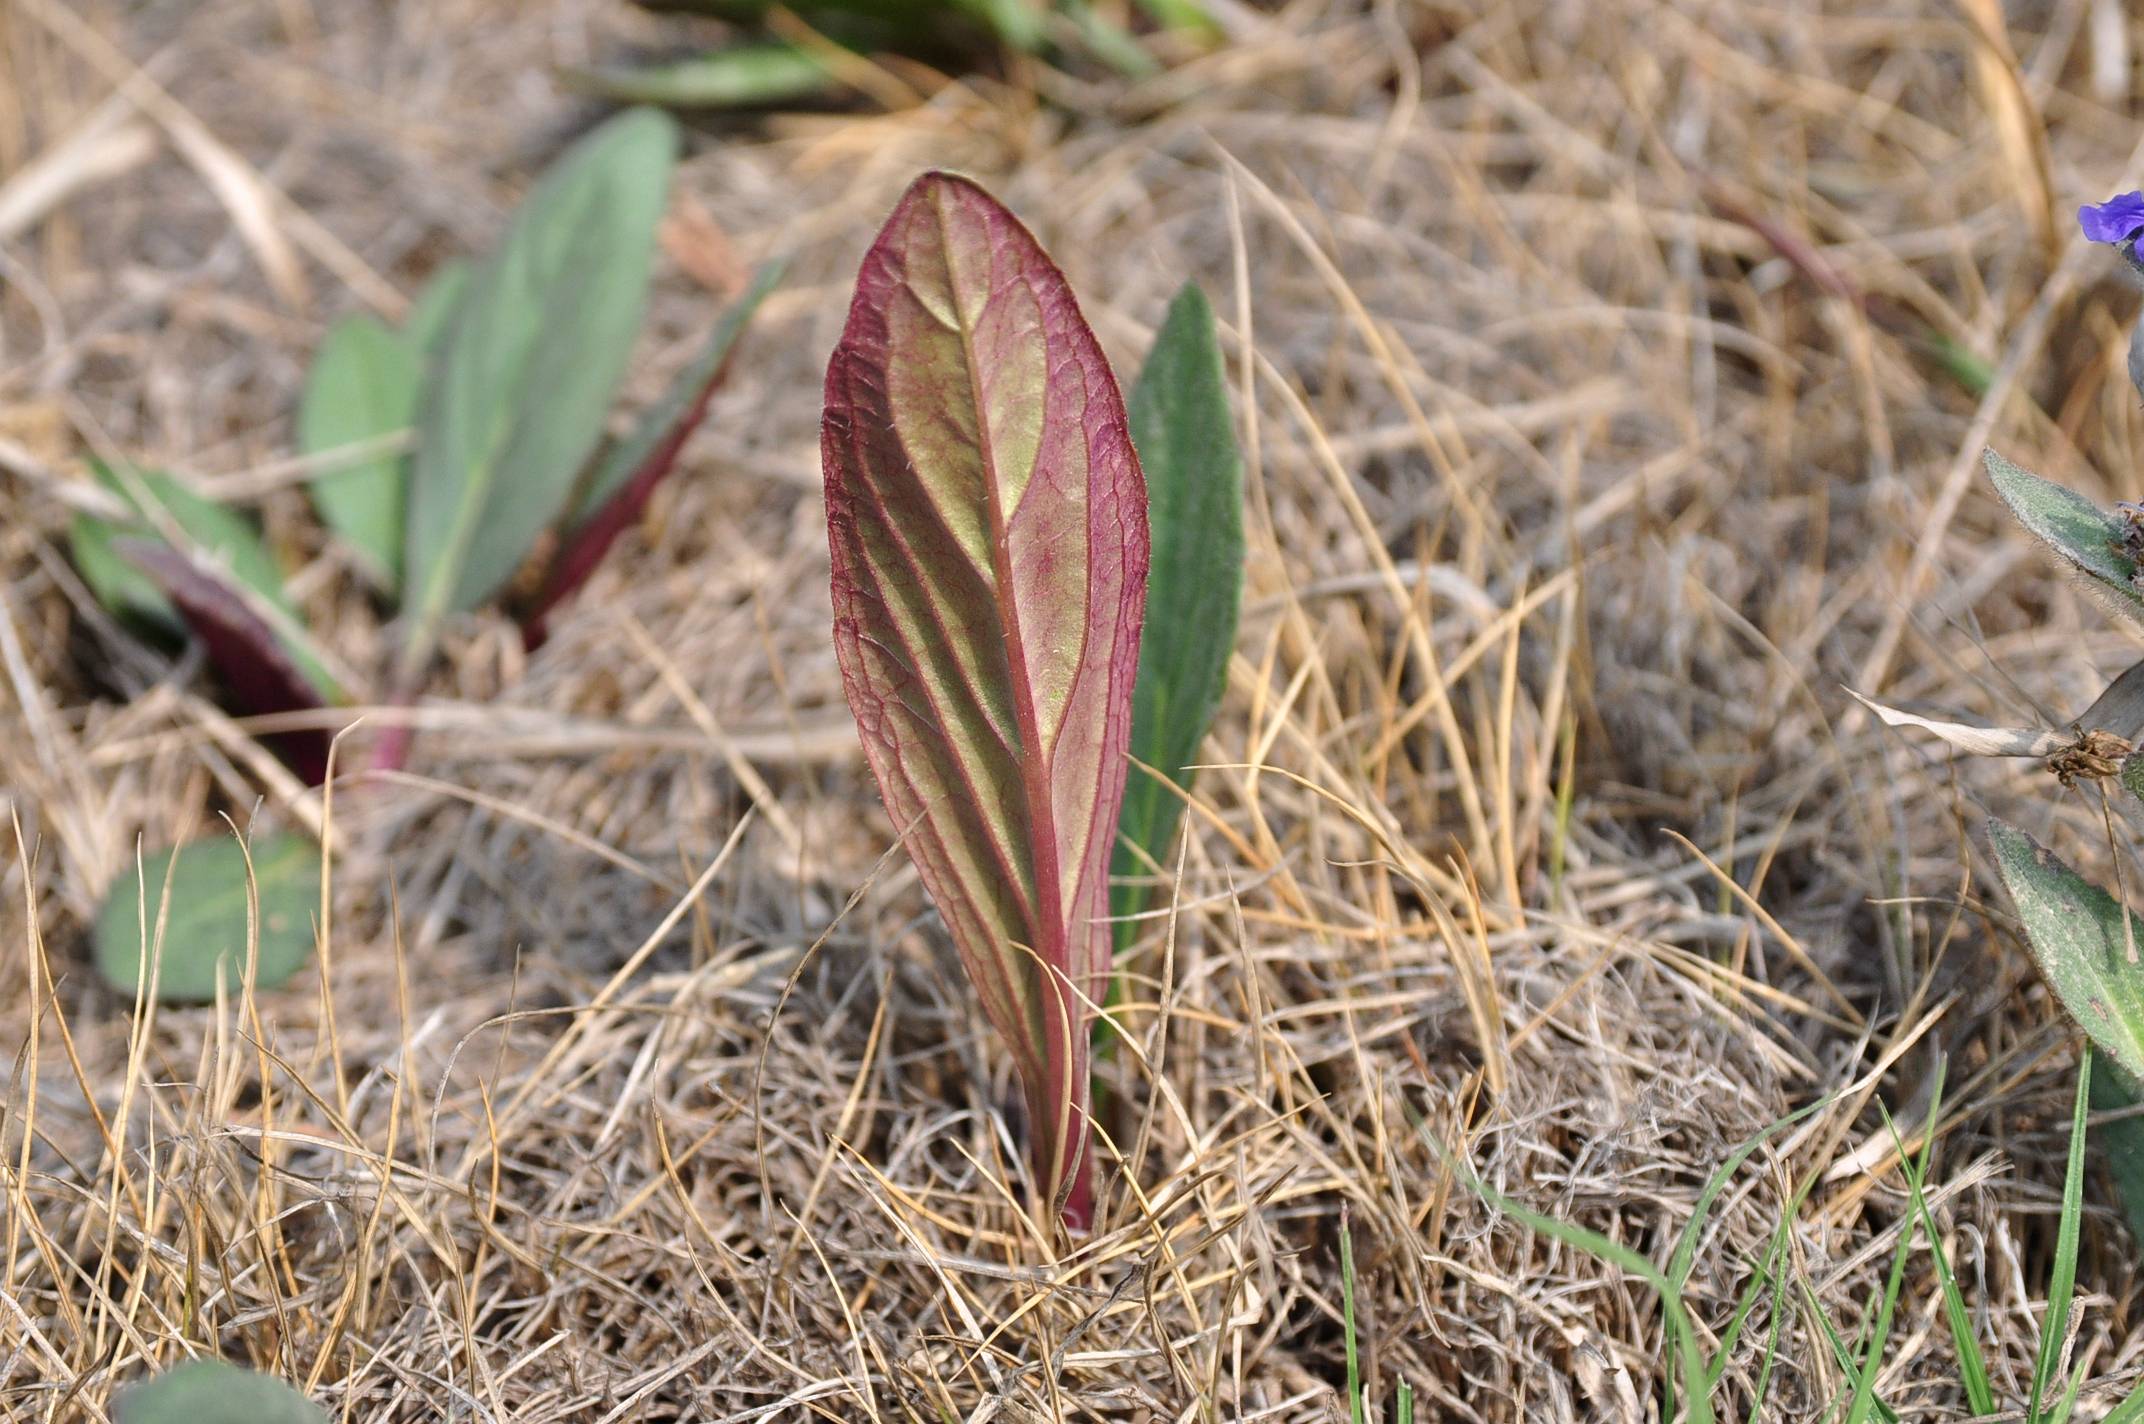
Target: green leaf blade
1186,437
528,367
362,388
741,76
2088,947
987,522
2086,537
219,534
204,943
214,1392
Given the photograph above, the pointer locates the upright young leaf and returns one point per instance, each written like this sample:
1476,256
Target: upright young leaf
362,388
2092,541
2089,947
527,369
987,519
1194,481
625,479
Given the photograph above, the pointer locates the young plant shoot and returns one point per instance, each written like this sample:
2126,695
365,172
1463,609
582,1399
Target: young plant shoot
988,525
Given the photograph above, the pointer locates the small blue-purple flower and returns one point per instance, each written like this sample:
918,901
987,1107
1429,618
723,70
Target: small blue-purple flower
2119,219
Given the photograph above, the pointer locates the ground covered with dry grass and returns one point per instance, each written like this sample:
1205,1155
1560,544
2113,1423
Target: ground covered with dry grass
1591,370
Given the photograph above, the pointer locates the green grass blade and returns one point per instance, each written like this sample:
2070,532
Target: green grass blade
1347,1313
1186,440
2061,1286
751,75
1972,1365
1678,1333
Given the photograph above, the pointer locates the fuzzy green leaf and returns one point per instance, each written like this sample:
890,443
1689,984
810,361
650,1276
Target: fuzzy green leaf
2087,537
741,76
213,1392
2088,947
205,934
1194,481
221,535
987,521
362,387
525,375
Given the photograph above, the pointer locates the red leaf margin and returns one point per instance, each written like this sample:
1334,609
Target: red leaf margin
994,713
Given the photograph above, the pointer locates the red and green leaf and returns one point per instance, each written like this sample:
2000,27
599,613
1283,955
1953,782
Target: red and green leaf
987,518
264,678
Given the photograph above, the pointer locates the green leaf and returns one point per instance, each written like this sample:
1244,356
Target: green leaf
742,76
221,535
362,388
673,414
262,671
525,376
987,523
437,305
2113,1091
206,929
627,476
2131,774
2086,536
1194,479
213,1392
2087,946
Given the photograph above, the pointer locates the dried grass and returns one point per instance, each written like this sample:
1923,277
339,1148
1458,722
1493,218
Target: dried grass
1593,445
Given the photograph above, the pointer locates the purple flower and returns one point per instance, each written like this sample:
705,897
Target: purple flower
2118,219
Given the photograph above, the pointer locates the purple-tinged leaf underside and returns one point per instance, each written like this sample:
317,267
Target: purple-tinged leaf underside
259,673
987,519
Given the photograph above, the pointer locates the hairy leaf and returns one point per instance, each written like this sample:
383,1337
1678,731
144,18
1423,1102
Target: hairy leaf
1194,483
205,933
526,372
361,389
741,76
987,519
622,483
213,1392
2087,537
264,675
220,534
2090,949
